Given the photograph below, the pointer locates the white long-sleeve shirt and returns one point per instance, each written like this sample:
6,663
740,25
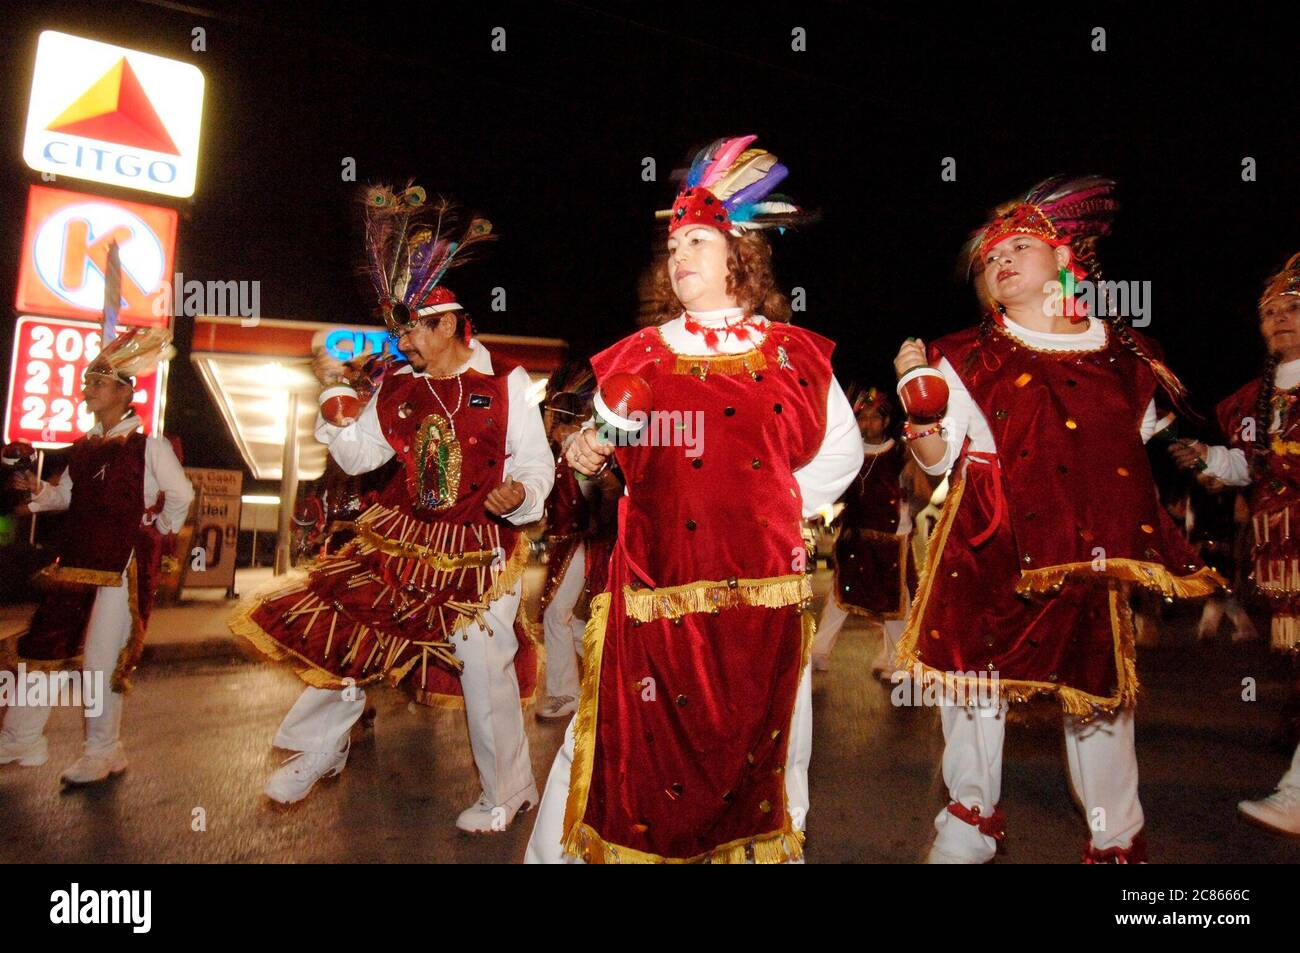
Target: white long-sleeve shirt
162,473
361,446
1229,465
823,479
965,419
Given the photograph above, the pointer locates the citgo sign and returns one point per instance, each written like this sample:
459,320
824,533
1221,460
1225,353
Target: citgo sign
108,114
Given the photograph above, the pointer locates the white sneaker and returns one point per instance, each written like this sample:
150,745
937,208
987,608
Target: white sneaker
1280,811
31,755
483,817
93,767
295,778
556,707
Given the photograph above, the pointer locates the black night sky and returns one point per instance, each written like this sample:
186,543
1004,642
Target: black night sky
547,140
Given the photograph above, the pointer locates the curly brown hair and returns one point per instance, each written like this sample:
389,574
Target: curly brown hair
749,280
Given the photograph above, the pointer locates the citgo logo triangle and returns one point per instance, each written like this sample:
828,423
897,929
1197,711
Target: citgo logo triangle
116,109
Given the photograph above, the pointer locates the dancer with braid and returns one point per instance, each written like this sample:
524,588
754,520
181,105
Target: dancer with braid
1262,424
1052,519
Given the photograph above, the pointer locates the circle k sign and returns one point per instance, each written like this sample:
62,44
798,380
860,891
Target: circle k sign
65,256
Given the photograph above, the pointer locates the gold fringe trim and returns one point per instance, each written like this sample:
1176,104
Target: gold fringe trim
703,366
673,602
557,577
443,562
242,624
1284,632
584,722
1153,576
76,576
581,840
457,702
779,847
10,659
904,551
1073,701
512,572
129,657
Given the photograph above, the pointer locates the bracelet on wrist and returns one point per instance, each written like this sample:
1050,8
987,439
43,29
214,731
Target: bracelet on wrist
911,433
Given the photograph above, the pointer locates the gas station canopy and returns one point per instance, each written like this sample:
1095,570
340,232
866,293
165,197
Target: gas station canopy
251,369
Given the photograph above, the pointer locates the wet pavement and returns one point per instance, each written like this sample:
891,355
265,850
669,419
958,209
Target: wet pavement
198,734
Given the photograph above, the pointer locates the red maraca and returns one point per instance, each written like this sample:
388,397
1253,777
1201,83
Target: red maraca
340,405
18,457
622,405
923,392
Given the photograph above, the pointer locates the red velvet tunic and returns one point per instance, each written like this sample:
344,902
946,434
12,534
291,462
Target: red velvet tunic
426,560
873,573
694,654
1028,573
1274,500
572,522
568,519
101,531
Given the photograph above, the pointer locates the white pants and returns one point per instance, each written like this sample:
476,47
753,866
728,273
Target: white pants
563,630
321,718
828,626
893,630
107,632
545,844
1103,769
832,621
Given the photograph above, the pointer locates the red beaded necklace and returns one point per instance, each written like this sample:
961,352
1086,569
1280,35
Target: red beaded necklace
740,330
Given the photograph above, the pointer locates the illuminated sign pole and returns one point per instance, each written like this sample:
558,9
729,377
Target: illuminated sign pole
120,117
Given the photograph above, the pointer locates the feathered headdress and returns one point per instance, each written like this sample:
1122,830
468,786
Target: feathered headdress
729,187
409,249
570,389
1285,282
135,351
1059,211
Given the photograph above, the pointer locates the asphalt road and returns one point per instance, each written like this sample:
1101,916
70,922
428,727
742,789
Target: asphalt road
198,735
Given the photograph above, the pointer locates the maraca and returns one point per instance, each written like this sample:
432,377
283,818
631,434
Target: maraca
340,405
18,457
622,406
923,392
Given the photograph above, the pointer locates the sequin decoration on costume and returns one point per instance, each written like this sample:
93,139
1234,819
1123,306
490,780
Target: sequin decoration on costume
437,456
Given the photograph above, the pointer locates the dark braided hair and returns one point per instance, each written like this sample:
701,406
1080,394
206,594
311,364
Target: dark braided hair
1263,417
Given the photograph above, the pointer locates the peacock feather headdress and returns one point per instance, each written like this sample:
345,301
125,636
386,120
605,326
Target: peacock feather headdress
410,245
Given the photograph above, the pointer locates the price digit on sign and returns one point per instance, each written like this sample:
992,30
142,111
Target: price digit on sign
40,374
42,341
33,414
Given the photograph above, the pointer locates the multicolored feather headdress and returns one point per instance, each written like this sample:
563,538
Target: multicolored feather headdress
569,391
729,187
410,248
1285,282
135,351
1059,211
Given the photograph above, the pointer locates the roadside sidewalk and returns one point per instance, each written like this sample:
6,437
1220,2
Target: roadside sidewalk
194,628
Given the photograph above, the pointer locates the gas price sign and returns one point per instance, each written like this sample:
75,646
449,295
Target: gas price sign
44,407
